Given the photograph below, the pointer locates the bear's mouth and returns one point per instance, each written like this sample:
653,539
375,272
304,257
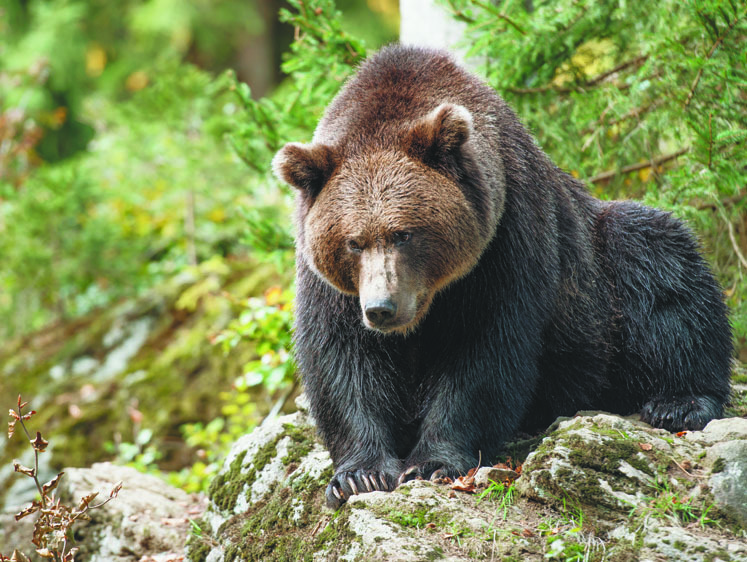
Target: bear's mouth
398,323
406,318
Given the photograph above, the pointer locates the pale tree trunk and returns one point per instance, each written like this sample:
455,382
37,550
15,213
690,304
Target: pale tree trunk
429,23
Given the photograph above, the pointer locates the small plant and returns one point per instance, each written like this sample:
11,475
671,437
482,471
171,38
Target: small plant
51,529
667,504
268,322
503,491
418,520
565,536
500,492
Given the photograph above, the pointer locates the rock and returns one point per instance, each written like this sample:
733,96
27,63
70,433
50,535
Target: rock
720,430
271,485
728,482
595,460
488,474
597,487
666,542
148,520
619,467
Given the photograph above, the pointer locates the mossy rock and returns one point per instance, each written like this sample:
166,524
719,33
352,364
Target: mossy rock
268,502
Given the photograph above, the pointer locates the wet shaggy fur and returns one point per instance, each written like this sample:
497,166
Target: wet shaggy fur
510,295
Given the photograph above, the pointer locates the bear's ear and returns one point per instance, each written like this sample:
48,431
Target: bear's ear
440,134
305,166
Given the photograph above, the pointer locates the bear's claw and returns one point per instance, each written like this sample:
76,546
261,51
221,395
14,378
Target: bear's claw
348,483
425,471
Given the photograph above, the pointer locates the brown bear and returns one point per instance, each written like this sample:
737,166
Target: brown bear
455,286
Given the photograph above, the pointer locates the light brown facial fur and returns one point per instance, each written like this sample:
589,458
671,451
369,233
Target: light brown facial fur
355,228
387,221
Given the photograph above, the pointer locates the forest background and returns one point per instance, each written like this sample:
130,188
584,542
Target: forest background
135,148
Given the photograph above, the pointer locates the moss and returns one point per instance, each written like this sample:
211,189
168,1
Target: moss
418,519
436,553
265,454
226,487
197,546
332,531
281,526
604,457
718,466
720,556
302,441
679,545
270,530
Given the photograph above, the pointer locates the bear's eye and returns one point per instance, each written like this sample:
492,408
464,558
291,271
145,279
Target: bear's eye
354,247
402,238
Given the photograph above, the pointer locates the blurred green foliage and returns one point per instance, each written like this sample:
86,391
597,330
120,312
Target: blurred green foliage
113,169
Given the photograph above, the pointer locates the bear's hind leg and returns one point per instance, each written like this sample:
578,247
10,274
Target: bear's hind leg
673,347
678,413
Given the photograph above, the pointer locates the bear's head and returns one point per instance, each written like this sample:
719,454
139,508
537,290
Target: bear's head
391,224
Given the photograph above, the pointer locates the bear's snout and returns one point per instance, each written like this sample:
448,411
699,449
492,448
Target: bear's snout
380,312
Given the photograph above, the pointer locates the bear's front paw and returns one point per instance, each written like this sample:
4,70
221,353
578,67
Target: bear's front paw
427,471
349,482
678,413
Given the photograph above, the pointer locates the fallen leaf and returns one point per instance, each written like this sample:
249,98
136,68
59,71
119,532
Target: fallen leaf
464,483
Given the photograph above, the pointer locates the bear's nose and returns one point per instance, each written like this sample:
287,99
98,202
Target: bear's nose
379,312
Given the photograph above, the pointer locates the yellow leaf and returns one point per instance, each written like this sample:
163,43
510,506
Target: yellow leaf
136,81
95,61
217,215
273,295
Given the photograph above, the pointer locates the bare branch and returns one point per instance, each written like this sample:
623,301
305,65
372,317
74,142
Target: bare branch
724,202
622,66
488,7
735,244
577,88
604,176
